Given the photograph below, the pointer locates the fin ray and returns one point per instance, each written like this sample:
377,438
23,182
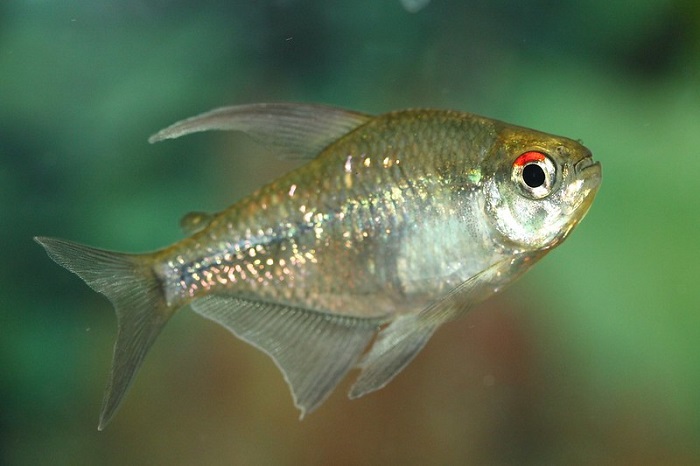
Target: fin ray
296,130
313,350
138,301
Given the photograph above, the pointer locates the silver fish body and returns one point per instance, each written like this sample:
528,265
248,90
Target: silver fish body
399,222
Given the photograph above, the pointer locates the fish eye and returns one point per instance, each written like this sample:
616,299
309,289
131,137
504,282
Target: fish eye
533,175
534,172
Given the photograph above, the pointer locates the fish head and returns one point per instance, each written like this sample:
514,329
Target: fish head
538,187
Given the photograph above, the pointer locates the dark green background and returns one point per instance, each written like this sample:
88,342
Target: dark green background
593,358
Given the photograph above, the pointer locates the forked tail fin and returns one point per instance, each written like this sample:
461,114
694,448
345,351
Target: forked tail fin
131,285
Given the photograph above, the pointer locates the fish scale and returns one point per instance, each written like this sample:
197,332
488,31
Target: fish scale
342,218
396,224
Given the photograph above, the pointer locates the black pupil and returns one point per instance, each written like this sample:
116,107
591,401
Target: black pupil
533,175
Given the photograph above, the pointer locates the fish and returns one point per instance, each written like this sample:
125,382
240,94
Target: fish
414,6
393,226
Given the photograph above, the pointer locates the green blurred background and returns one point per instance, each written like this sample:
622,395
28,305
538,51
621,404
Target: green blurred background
592,358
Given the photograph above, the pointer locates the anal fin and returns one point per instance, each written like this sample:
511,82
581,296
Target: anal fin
313,350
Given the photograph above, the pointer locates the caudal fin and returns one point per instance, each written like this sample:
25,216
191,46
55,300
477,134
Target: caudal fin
134,290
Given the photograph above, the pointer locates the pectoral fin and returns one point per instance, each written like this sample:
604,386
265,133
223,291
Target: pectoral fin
394,349
400,342
295,130
313,350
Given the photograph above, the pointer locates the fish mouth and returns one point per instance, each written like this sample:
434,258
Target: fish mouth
590,170
585,164
590,173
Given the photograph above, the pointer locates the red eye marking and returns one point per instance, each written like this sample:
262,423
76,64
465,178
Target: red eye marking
527,157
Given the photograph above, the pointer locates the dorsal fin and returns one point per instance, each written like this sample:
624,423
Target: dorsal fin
193,222
295,130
